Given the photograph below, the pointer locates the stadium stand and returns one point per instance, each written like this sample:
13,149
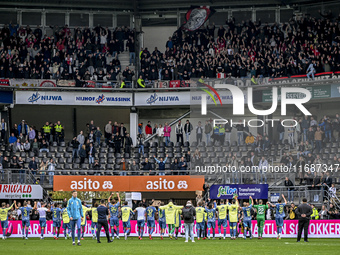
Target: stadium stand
247,49
82,54
239,50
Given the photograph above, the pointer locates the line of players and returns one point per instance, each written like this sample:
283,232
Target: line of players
168,216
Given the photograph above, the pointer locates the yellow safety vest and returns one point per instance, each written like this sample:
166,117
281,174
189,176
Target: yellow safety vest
58,128
47,129
122,84
140,82
315,214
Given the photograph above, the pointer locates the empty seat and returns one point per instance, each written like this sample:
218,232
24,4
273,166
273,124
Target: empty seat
67,167
109,167
67,155
84,166
178,149
75,166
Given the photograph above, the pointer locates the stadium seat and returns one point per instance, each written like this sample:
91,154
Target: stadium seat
75,166
67,155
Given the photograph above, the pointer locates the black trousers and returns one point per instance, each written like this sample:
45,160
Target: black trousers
179,137
103,223
303,225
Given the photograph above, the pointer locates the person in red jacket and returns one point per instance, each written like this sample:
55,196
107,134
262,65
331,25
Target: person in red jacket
148,129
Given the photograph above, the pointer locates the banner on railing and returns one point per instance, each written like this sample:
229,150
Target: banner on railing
243,191
66,83
181,98
128,183
4,82
317,229
32,83
19,191
73,98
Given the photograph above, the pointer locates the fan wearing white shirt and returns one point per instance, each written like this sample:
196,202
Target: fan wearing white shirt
140,219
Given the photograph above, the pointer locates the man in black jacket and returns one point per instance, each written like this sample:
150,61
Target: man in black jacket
147,167
103,212
304,212
288,184
128,143
189,213
281,130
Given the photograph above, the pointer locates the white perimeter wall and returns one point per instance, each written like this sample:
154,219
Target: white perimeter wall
157,37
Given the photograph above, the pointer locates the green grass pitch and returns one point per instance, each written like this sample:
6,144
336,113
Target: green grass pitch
156,246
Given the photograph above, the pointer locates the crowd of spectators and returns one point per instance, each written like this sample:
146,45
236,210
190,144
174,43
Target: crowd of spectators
248,49
79,54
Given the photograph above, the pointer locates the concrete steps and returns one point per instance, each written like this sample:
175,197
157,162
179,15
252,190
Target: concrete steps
124,58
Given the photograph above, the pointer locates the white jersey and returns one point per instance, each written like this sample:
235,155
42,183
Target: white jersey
140,213
42,212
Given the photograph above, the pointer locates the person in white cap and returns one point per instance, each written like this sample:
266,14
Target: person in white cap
189,213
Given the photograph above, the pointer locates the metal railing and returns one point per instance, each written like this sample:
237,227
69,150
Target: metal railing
170,124
162,85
